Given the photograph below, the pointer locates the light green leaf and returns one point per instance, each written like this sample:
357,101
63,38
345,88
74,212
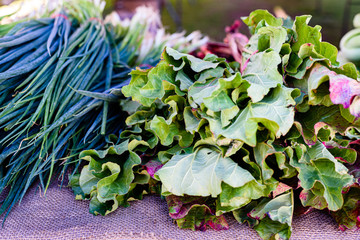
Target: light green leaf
178,61
329,51
214,93
75,186
184,79
348,69
118,183
141,115
87,180
101,154
234,198
139,78
268,37
217,72
228,114
175,103
318,150
165,156
96,207
293,64
305,33
261,72
275,216
316,164
241,214
218,101
273,112
345,154
279,209
285,53
198,91
257,16
323,51
201,173
194,213
273,230
192,122
129,106
301,69
106,184
167,132
160,79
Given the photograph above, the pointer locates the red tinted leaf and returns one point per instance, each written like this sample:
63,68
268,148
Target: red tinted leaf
343,90
281,188
152,167
348,216
195,213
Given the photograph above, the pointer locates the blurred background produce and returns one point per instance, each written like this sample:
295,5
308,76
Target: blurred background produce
334,16
350,43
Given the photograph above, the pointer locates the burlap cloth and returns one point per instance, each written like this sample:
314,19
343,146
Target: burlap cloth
59,216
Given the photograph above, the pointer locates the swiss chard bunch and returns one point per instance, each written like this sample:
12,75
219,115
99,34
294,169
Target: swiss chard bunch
255,135
208,119
232,139
273,133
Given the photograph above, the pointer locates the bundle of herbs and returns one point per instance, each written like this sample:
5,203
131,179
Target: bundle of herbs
275,133
60,81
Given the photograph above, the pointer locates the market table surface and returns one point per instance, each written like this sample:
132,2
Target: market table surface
59,216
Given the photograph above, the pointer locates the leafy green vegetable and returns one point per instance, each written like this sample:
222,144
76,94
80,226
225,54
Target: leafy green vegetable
262,74
275,217
245,135
109,180
201,173
271,218
317,165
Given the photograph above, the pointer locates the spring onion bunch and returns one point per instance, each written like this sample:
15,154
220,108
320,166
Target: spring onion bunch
59,90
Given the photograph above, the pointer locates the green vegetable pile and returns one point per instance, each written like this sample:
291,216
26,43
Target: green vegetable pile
274,134
60,81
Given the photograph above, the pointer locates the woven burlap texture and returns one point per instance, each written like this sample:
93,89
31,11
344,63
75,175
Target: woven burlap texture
58,216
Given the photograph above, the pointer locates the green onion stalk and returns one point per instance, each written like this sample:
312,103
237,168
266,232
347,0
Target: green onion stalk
60,81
